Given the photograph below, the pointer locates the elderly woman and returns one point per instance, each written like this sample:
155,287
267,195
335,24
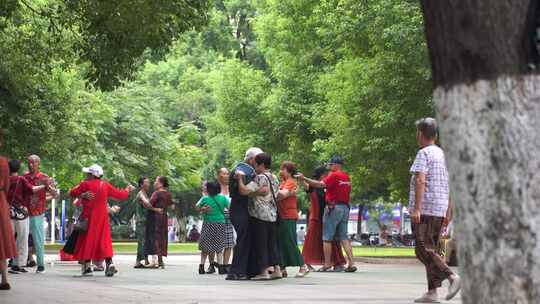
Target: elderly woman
288,215
212,240
7,241
156,240
94,241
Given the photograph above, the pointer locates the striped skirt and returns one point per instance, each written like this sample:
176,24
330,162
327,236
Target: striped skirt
212,237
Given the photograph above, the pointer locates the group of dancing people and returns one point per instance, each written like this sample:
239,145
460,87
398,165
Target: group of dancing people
91,243
263,211
249,202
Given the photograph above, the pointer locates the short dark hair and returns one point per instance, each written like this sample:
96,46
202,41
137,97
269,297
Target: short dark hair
213,188
164,181
290,167
141,180
264,159
320,171
428,127
14,166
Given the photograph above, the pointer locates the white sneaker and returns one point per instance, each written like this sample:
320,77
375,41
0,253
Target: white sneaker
428,298
453,288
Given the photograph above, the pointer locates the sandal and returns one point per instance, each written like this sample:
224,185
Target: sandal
351,269
325,269
304,273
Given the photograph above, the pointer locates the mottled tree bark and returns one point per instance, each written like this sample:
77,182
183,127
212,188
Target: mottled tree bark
489,113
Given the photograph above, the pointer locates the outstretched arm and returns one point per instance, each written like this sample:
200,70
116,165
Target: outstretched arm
311,182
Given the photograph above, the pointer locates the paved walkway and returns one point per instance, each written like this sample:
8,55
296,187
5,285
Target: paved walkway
179,283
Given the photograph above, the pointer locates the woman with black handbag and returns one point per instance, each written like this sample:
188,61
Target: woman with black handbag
18,188
94,234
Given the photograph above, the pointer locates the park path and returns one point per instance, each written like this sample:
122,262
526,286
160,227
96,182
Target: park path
179,283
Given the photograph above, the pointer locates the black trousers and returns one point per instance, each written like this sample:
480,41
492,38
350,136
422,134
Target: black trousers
242,249
265,250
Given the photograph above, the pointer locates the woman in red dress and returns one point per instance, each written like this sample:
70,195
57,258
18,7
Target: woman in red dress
7,241
313,245
156,240
95,243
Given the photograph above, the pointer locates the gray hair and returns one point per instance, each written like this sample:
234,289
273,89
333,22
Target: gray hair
34,158
428,127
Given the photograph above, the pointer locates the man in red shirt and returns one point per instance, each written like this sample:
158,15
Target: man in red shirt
18,187
336,213
37,204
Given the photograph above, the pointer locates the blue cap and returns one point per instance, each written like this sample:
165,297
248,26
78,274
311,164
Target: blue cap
337,160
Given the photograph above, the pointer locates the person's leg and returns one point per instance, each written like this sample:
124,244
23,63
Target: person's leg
203,261
212,258
242,249
227,255
204,255
3,270
139,230
330,222
342,231
38,237
23,229
220,258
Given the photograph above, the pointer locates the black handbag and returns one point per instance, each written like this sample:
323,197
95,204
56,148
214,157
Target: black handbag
69,247
81,225
17,213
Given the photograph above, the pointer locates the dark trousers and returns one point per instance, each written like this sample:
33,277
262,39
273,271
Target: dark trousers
265,250
427,235
140,231
241,251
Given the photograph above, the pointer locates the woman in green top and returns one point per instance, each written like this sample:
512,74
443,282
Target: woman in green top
212,238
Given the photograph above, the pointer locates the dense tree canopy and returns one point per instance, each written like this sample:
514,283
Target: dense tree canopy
181,88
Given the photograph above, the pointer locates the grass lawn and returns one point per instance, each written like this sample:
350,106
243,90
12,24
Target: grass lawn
187,248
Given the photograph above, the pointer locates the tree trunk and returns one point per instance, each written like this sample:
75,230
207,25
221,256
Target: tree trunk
489,114
359,221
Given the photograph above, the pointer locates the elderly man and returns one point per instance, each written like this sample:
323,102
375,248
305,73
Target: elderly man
37,205
240,216
429,204
336,214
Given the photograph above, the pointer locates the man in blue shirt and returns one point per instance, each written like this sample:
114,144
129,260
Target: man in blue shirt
240,216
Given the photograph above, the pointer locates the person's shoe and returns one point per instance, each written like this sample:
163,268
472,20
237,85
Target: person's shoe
236,277
87,272
428,298
303,274
222,269
5,286
31,264
211,268
139,266
339,269
22,270
201,269
111,270
261,277
453,288
351,269
14,270
40,269
99,268
276,275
